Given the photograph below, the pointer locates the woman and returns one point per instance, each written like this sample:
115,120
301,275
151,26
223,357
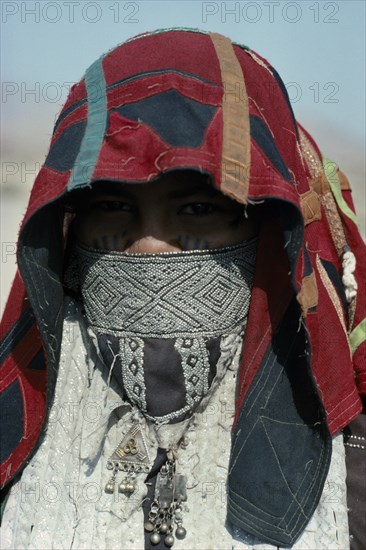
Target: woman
180,274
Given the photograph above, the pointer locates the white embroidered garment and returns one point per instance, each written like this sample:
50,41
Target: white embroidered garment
60,501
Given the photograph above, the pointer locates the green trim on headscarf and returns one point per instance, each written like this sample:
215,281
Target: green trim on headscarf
358,336
330,169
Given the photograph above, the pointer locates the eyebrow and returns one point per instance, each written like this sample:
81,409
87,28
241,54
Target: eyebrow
190,190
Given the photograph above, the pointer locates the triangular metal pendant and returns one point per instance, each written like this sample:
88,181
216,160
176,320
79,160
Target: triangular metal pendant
131,454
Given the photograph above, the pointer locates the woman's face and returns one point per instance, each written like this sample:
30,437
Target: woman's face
181,211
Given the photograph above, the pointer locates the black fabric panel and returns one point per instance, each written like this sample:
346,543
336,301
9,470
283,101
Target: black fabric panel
63,154
40,262
163,376
68,112
179,120
265,141
12,419
308,269
293,233
282,447
16,334
139,76
285,94
150,481
337,282
38,361
213,348
107,343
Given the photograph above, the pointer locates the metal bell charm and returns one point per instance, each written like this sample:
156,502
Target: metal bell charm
169,541
149,526
127,486
164,527
166,508
155,538
109,488
180,532
122,487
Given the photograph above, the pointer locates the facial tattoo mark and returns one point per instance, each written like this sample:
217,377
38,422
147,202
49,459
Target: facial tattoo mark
111,242
190,243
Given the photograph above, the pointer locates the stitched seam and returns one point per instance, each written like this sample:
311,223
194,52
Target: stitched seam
332,295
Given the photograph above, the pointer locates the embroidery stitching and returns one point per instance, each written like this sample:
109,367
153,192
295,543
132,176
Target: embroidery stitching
195,366
202,293
132,357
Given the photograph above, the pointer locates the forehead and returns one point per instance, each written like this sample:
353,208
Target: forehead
172,185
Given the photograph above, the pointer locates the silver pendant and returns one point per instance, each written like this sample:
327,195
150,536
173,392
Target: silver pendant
131,457
166,509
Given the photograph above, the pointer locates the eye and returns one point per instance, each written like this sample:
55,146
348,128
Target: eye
109,205
198,209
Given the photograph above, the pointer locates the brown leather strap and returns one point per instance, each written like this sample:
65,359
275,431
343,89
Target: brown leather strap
235,165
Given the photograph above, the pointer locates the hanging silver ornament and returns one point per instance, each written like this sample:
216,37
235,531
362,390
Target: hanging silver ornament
155,538
170,492
131,456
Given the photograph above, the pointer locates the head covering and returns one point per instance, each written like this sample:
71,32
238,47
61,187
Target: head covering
186,99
